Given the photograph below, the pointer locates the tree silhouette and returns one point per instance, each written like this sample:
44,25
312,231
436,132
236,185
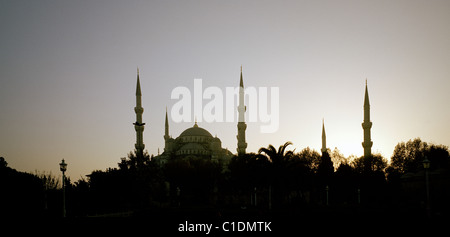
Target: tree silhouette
277,157
277,175
325,169
251,168
371,164
299,175
134,161
195,178
337,157
346,180
3,163
247,172
406,173
371,180
49,181
408,157
22,194
133,186
311,157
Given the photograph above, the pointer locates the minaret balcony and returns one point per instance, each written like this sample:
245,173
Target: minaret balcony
366,125
139,110
242,125
367,144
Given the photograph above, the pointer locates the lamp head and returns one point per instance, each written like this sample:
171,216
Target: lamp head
426,163
63,166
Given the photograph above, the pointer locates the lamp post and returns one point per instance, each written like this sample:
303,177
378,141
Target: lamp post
63,168
426,166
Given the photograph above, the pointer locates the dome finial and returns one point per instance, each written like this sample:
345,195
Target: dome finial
195,125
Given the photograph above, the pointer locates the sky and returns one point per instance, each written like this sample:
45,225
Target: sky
68,74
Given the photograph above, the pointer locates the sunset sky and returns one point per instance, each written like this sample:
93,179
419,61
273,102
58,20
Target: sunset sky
68,73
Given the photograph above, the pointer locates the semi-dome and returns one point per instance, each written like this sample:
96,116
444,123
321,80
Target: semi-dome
193,146
195,131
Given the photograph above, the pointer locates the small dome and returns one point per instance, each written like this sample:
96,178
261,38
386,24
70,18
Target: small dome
195,131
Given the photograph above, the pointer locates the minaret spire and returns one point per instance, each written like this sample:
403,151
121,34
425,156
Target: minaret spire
166,134
241,83
366,99
138,125
324,138
138,85
166,125
367,125
241,145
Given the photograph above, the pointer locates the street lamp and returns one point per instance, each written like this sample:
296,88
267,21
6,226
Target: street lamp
63,168
426,166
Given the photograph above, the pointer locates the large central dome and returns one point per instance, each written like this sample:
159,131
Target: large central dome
195,131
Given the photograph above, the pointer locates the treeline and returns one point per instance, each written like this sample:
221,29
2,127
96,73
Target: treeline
272,179
28,195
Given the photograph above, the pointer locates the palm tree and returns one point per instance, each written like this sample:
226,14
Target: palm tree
277,157
279,161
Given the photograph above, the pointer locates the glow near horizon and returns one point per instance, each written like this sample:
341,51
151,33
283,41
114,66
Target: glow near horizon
68,73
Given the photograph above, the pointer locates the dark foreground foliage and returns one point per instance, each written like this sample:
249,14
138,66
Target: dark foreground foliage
273,183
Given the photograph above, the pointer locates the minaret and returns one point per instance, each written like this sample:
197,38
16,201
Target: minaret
241,145
324,138
138,125
367,125
166,134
